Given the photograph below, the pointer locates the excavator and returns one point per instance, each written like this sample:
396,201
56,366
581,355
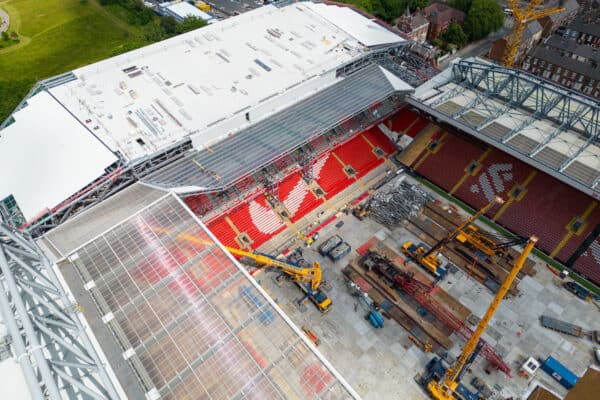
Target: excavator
429,259
308,278
444,383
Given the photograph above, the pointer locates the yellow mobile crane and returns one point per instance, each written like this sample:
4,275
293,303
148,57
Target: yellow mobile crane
446,387
428,259
309,279
522,17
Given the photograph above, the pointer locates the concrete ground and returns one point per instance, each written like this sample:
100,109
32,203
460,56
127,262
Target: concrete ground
4,20
382,364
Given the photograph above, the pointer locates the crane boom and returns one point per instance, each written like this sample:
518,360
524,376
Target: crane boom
440,245
445,388
522,17
312,275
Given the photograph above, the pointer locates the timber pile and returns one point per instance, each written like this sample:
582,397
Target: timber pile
438,294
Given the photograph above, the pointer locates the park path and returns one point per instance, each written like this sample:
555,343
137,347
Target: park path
4,20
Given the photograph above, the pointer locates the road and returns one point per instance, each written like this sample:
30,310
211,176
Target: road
481,47
4,20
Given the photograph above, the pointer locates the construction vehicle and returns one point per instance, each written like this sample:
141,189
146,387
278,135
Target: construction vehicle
579,291
360,211
308,278
521,18
446,385
329,245
374,317
477,240
429,259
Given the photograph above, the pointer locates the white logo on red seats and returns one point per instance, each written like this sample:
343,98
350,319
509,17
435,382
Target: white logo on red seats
264,218
295,197
594,251
491,182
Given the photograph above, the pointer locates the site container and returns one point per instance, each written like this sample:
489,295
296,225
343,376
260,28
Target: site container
340,251
561,326
329,245
559,372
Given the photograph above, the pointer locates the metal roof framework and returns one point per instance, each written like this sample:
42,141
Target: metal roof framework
57,357
216,168
498,92
184,320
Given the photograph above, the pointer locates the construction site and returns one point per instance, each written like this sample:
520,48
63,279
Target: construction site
341,221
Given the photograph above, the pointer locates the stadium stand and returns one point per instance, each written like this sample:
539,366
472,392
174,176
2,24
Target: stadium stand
359,155
558,214
296,196
587,264
222,230
417,127
378,139
256,219
329,173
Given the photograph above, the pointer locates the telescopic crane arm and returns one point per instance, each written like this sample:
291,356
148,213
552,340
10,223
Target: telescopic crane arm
312,275
445,388
440,245
522,17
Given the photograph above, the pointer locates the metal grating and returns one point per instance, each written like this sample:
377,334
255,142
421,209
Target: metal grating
449,108
582,172
472,118
256,146
551,157
523,143
188,319
495,130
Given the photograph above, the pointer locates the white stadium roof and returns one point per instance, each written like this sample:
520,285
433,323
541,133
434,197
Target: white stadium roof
203,84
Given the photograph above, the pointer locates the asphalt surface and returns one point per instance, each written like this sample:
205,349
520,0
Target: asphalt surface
4,21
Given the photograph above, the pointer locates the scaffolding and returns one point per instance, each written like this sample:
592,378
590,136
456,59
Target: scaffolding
54,350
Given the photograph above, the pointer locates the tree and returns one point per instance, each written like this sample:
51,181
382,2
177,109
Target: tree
189,24
14,35
168,24
5,36
484,16
153,33
414,4
455,34
462,5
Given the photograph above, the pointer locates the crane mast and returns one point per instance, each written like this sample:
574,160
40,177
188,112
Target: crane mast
521,18
444,389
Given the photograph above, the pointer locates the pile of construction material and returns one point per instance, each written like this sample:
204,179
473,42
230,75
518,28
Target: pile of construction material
397,202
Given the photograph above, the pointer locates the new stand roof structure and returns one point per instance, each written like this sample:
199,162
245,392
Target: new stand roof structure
552,128
218,166
201,86
179,318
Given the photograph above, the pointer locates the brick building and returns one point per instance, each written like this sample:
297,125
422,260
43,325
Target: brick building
415,26
571,56
440,17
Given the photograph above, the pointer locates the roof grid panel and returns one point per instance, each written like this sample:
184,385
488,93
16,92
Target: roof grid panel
582,172
192,335
523,143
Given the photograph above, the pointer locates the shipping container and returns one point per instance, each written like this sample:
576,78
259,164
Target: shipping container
561,326
559,372
340,251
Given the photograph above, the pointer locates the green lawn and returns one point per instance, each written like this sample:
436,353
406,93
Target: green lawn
57,36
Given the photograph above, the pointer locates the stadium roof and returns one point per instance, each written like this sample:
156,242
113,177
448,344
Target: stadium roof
179,317
41,167
203,86
552,128
222,164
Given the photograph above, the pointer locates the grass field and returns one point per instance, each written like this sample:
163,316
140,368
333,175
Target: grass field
57,36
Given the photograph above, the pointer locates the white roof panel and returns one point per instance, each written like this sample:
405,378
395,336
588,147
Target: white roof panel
356,25
150,98
46,156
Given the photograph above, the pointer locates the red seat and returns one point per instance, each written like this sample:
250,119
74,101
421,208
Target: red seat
297,197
